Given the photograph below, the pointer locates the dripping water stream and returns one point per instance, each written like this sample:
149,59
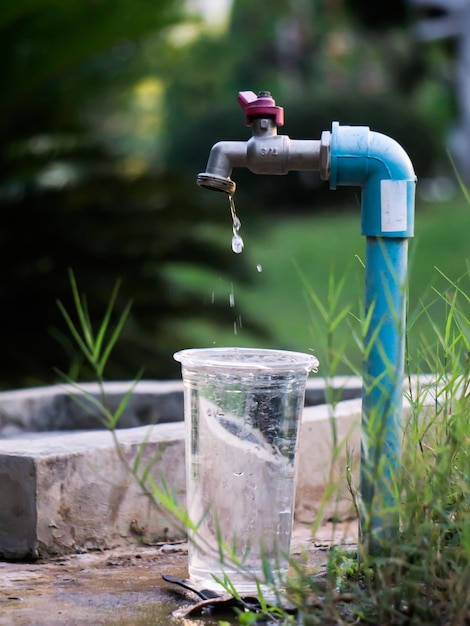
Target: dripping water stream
237,247
237,241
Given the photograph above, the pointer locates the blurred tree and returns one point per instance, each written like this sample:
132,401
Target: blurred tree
381,16
73,195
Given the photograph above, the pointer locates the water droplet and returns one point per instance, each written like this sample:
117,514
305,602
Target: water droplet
238,473
235,328
237,244
259,267
237,241
231,299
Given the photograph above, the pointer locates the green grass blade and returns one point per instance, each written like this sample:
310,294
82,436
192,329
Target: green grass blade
113,339
88,399
106,319
75,333
125,401
82,312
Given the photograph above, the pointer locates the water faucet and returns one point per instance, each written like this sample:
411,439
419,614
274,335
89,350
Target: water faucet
352,156
266,152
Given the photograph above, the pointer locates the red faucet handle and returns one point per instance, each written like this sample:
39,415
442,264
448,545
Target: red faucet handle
260,105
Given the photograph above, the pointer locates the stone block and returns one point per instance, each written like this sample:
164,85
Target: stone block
71,492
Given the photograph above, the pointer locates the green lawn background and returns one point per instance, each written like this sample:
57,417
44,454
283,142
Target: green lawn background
302,253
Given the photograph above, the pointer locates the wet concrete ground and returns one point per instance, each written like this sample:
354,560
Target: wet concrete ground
123,587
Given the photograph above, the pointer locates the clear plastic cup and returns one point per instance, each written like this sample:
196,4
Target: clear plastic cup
242,415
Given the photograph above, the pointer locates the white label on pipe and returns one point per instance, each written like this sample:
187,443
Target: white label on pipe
393,205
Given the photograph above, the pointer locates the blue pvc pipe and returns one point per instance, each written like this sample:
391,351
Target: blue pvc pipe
381,167
383,370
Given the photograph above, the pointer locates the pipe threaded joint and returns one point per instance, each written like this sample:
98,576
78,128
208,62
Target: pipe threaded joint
217,183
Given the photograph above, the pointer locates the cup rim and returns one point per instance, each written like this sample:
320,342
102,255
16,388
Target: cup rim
247,358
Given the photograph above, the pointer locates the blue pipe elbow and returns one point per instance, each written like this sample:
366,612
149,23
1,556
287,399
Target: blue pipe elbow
378,164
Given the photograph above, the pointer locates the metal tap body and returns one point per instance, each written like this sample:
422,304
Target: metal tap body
265,153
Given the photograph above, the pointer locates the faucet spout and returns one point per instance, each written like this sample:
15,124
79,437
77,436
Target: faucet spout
224,156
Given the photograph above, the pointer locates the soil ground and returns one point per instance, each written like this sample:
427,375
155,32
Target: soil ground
124,587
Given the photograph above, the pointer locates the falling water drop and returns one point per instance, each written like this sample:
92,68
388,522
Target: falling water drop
237,244
259,267
237,241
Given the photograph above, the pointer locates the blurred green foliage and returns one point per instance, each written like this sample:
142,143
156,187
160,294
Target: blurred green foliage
72,195
107,113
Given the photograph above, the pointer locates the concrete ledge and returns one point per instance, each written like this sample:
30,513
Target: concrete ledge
320,464
64,492
322,489
56,408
